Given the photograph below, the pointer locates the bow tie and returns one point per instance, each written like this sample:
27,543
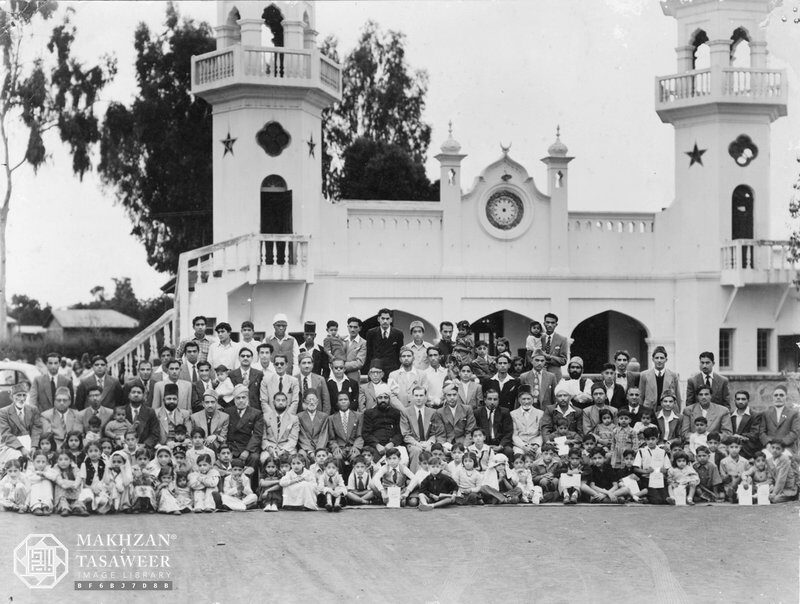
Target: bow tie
620,375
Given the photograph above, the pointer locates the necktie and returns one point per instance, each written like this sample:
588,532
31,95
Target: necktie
386,337
194,373
359,484
208,426
280,384
53,388
21,413
547,345
134,414
394,476
100,383
491,424
246,378
708,381
421,426
344,420
278,417
305,386
659,374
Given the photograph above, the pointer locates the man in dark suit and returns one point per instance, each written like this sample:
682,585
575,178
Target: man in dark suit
745,425
143,418
312,382
112,389
780,422
94,408
502,382
633,404
563,409
20,426
381,427
541,382
247,375
320,360
43,390
623,377
144,378
554,345
345,440
496,424
384,343
720,391
668,420
245,430
339,383
615,393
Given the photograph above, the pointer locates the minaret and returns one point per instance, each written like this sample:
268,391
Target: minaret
557,164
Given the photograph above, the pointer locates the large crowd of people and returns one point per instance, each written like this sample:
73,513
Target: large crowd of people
280,424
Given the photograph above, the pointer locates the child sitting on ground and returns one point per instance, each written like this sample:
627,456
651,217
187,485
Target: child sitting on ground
708,489
358,489
67,485
14,488
204,483
237,495
567,481
393,474
500,485
483,453
437,489
469,481
652,464
331,486
40,495
545,472
732,469
524,480
269,485
299,486
600,483
682,476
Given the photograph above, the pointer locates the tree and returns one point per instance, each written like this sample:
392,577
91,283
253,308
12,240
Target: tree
38,95
28,311
382,100
125,301
156,154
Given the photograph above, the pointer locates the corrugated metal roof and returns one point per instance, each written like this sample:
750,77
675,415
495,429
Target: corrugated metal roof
93,319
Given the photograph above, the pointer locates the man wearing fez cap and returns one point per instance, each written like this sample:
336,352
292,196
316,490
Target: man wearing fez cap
169,415
320,360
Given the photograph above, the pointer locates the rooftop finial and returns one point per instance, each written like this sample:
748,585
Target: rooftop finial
558,131
557,149
450,128
505,148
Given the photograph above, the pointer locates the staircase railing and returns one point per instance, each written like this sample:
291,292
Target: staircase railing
144,345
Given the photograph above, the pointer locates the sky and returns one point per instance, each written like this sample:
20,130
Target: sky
503,72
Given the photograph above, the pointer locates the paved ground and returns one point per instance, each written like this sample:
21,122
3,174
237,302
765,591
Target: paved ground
518,554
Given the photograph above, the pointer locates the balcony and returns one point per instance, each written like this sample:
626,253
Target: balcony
756,262
258,66
754,90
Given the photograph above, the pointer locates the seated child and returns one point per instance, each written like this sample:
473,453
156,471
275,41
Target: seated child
333,344
118,425
524,480
40,495
93,435
358,489
223,464
74,444
237,495
132,445
699,437
269,486
119,481
179,459
563,438
199,448
483,452
331,486
204,482
469,481
437,489
628,480
601,482
732,469
784,473
457,453
589,444
224,388
179,437
92,473
107,448
545,472
625,438
574,467
708,489
758,474
47,445
652,460
183,492
299,486
67,485
420,475
143,482
368,453
604,431
682,476
717,450
393,474
165,491
14,488
499,485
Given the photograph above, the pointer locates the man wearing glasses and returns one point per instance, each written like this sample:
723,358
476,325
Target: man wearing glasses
248,375
280,381
110,388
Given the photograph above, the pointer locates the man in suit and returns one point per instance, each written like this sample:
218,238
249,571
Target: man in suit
368,393
554,346
339,383
142,417
312,382
403,381
345,440
191,357
668,420
656,380
615,393
384,343
249,376
542,383
563,409
745,425
43,390
505,384
110,386
458,420
93,408
591,415
20,426
421,427
355,350
633,404
720,392
313,426
212,420
280,381
526,421
718,417
320,363
623,377
61,420
496,424
186,392
470,392
169,415
245,430
780,422
281,429
206,381
145,379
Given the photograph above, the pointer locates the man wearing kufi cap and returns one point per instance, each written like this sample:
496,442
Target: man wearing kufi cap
212,420
20,426
578,385
418,346
284,344
403,381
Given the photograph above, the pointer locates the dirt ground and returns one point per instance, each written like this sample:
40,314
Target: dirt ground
517,554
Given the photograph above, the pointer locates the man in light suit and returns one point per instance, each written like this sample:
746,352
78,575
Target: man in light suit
542,383
311,382
554,346
94,407
780,422
60,420
458,421
43,389
658,379
720,392
345,441
170,415
384,343
421,426
368,393
20,426
355,350
403,381
718,417
111,388
527,420
186,392
469,391
212,420
280,381
145,379
249,376
313,423
339,383
281,429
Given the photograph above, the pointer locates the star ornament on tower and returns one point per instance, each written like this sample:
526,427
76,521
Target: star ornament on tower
227,142
695,155
311,146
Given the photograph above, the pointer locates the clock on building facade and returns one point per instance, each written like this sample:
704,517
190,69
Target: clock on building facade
504,210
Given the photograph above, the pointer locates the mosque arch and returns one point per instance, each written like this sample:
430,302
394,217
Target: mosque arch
596,338
503,323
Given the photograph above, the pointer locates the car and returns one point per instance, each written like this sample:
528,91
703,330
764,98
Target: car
12,373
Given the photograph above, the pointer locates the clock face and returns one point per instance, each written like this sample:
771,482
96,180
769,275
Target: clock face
504,210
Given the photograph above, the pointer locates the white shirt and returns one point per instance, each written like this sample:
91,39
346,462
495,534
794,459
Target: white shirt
508,379
574,386
435,379
228,355
252,345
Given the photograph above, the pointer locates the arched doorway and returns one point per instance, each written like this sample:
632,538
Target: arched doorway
742,213
503,323
276,217
597,338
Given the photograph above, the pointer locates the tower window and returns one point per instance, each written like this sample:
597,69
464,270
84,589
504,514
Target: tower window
273,19
559,179
763,340
451,176
725,348
702,53
740,48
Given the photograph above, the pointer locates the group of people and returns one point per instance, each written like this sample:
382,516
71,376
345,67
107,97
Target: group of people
279,424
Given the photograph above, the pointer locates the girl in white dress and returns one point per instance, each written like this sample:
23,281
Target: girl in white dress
40,497
299,487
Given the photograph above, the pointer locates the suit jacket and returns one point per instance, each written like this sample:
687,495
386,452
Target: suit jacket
508,393
618,400
253,388
285,439
355,359
503,426
553,413
200,389
40,395
402,384
458,423
269,386
244,433
366,397
470,394
341,436
167,427
670,431
386,351
146,426
148,390
527,427
557,357
186,373
720,390
749,427
546,387
319,358
313,435
111,396
649,388
787,428
591,416
632,378
104,413
431,421
219,424
12,427
317,385
186,394
52,424
719,419
349,386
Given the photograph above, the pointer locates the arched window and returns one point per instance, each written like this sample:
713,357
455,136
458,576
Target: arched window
702,54
740,48
273,184
273,19
742,202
